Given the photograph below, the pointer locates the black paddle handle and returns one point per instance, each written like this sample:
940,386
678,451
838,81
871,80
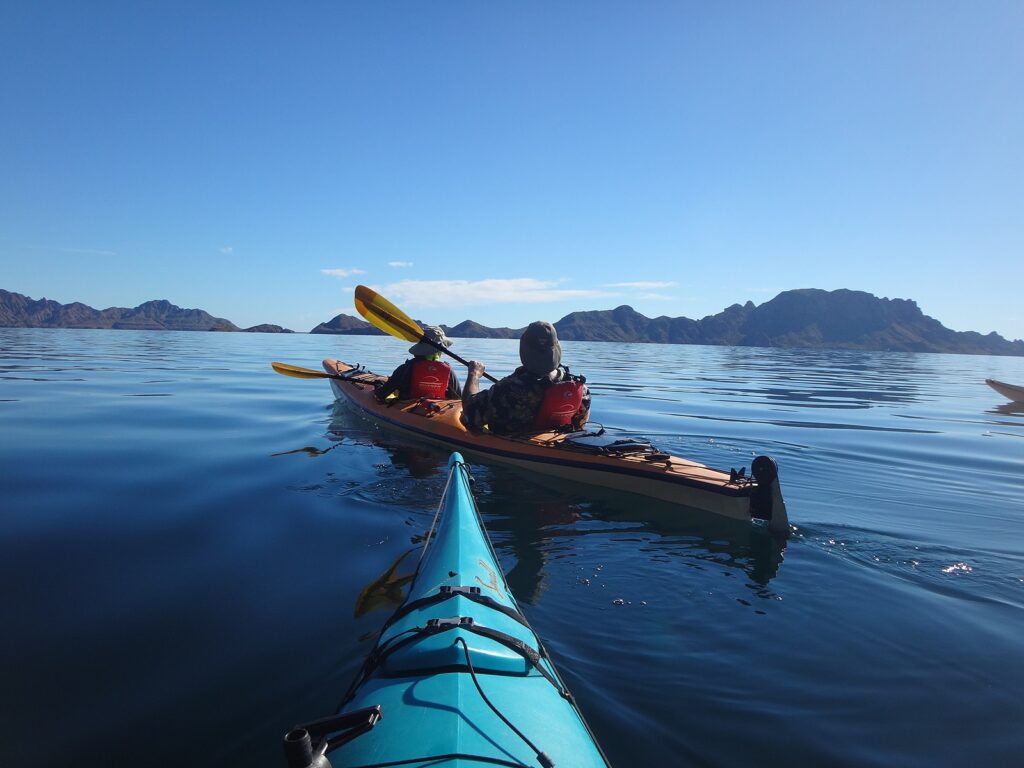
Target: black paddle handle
448,352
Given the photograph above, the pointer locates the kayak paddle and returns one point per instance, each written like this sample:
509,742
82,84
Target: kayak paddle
302,373
382,314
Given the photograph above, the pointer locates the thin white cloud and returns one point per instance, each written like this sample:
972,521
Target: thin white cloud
227,250
399,264
642,285
343,273
523,290
654,297
86,251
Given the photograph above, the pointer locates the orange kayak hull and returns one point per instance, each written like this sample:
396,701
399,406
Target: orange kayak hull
668,478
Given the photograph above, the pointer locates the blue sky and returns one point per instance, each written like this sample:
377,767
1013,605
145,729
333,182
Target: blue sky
513,161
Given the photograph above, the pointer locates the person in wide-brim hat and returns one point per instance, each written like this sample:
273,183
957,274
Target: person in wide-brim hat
424,375
436,335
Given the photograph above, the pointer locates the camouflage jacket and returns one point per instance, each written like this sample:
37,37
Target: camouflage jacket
509,406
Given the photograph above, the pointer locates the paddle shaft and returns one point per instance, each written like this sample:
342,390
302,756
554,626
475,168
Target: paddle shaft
308,373
303,373
451,354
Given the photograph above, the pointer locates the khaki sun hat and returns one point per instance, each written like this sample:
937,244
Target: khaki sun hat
435,334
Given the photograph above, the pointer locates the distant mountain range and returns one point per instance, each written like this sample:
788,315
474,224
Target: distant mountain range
19,311
806,318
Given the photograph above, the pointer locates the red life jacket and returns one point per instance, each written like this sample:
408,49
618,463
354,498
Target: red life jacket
429,379
560,403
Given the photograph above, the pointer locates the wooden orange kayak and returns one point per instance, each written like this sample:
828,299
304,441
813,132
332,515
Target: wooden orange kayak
596,458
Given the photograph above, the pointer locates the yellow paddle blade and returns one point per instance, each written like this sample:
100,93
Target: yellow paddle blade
384,315
300,373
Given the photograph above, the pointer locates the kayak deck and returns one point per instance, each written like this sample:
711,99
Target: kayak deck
669,478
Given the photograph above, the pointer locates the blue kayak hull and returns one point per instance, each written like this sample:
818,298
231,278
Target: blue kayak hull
432,711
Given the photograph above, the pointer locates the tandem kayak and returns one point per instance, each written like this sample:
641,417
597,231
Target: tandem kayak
457,677
1009,391
597,458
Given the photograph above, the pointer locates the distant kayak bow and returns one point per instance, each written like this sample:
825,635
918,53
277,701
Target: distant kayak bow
1009,391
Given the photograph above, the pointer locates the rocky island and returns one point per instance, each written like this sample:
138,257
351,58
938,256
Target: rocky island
803,318
17,311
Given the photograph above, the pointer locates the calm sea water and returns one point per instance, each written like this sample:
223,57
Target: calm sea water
187,538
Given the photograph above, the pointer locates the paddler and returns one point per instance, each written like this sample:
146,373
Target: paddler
424,376
539,396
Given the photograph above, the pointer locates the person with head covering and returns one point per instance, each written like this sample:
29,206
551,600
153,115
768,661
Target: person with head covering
539,396
424,375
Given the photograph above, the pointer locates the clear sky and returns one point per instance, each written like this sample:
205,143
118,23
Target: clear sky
513,161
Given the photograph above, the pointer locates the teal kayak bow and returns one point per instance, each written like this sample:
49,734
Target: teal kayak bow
457,677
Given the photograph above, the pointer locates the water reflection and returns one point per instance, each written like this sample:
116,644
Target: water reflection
1009,409
542,518
806,378
309,450
695,536
388,589
526,520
